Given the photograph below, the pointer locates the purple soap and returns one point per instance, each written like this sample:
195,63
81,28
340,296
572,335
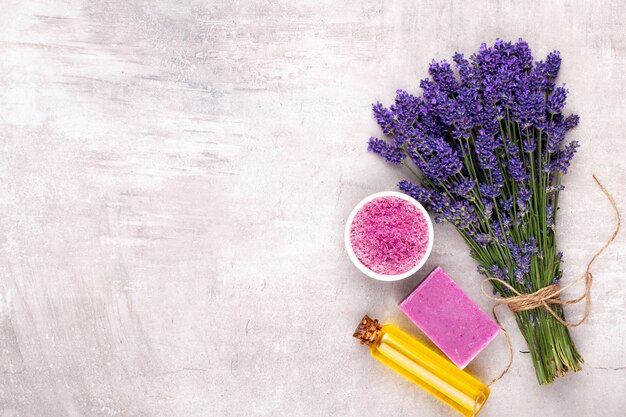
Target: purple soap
452,320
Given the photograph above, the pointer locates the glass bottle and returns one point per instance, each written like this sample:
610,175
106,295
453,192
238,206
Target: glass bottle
425,367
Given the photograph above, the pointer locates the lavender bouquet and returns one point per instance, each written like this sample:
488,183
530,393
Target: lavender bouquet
486,148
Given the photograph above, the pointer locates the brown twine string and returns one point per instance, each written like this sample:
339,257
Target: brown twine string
547,295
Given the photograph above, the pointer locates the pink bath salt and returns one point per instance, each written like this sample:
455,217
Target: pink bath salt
389,235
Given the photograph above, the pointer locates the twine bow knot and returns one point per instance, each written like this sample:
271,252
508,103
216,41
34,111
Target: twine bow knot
545,296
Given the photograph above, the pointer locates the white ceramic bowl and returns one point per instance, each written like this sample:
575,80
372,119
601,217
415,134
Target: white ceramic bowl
365,269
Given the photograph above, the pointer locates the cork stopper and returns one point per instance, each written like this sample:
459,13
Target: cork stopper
367,330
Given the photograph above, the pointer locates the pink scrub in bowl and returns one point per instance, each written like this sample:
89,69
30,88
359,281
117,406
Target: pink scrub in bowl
389,236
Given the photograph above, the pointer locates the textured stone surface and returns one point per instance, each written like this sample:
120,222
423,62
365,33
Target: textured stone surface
174,178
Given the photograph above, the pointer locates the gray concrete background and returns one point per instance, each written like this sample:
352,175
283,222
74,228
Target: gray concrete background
174,178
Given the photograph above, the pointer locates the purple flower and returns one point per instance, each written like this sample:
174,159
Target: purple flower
485,151
438,101
444,76
516,167
521,256
496,272
546,72
499,230
483,239
571,121
443,161
489,191
389,152
497,179
561,160
553,64
507,204
429,197
556,133
539,76
523,199
500,67
384,117
530,145
419,193
405,111
467,73
459,213
464,188
488,211
467,113
551,189
558,129
556,99
529,105
550,216
530,246
524,55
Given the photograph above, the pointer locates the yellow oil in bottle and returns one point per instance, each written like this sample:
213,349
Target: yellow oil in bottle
420,364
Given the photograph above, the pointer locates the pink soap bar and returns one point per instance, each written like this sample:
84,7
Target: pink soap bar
452,320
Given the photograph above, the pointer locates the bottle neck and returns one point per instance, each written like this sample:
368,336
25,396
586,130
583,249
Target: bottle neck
367,331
